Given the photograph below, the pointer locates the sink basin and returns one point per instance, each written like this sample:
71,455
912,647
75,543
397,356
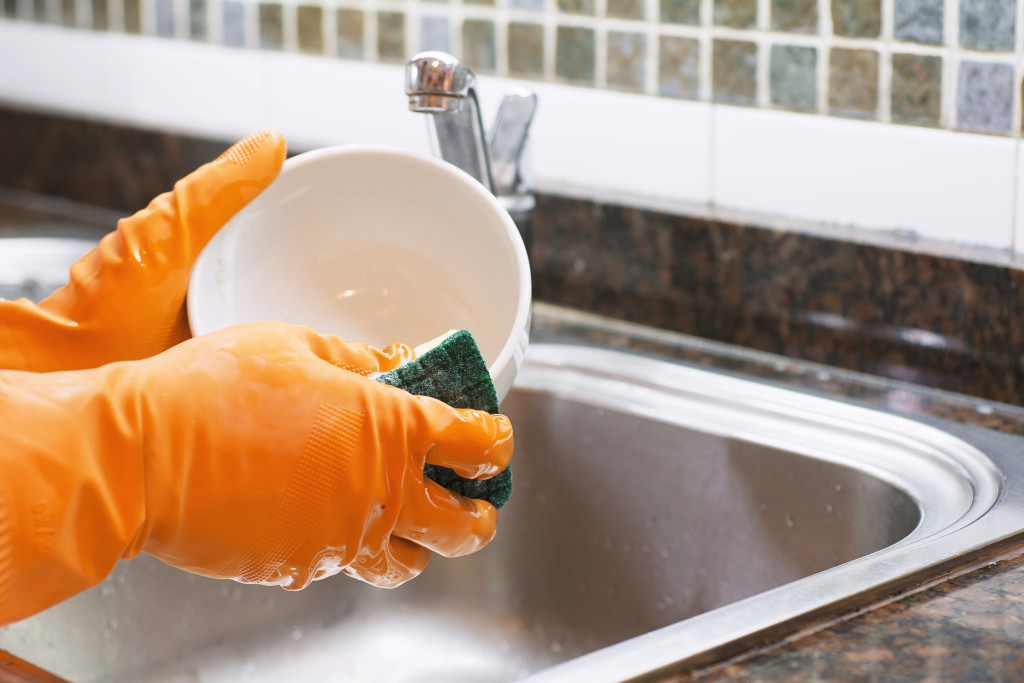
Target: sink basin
663,516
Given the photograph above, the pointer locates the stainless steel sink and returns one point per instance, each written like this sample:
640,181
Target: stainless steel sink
663,516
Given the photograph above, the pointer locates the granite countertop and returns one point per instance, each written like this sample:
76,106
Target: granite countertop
966,626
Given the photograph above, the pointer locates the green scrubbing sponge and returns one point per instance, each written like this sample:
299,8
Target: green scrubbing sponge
455,372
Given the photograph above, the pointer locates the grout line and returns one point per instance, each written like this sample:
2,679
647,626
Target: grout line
329,28
601,26
951,65
825,30
1017,108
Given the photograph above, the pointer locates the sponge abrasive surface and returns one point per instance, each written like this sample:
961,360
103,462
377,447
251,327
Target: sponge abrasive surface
455,372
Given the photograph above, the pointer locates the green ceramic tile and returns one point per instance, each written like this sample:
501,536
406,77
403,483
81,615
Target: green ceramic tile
478,2
988,24
310,23
391,36
67,13
857,18
478,45
793,77
626,9
626,55
576,6
525,49
271,18
100,16
734,72
574,54
132,17
736,13
916,89
350,33
678,67
680,11
795,16
853,83
197,29
919,21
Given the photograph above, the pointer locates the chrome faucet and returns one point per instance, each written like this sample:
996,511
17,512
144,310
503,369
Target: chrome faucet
439,84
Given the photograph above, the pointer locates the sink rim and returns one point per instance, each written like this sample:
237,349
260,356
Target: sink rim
627,381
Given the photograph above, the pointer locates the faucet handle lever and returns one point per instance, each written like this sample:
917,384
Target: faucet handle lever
508,139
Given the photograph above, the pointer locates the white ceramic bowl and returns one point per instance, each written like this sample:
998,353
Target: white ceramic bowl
373,245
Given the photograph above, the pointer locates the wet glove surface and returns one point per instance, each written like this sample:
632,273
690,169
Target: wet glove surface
260,453
125,298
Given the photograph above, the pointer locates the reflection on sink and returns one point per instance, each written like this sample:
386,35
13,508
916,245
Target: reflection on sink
663,516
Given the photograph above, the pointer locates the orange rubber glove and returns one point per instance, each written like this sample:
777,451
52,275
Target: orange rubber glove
125,299
259,453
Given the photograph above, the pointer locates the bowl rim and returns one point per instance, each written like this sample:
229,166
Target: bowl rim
520,325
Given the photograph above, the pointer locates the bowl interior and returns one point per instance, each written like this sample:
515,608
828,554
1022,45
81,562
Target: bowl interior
372,245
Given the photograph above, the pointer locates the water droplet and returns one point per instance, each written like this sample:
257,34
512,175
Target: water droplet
663,552
828,507
789,520
106,591
556,647
645,549
985,410
297,634
839,487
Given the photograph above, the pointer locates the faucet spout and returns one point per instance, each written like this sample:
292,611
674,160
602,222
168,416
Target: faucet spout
440,85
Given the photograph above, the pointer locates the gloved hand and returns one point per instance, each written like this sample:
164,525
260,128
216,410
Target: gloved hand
259,453
125,299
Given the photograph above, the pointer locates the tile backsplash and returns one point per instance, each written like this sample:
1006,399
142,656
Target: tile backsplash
953,64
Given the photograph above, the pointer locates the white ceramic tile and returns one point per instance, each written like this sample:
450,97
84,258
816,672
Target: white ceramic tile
598,141
940,184
185,86
316,102
1018,239
49,67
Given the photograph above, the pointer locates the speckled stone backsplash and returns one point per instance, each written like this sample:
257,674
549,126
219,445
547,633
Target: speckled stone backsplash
937,320
953,64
